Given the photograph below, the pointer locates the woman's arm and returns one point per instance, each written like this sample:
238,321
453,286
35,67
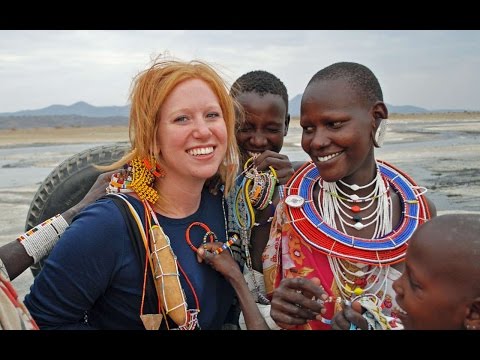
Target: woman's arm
80,269
228,267
15,256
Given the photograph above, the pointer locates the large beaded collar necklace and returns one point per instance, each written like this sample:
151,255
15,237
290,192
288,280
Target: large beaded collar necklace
383,250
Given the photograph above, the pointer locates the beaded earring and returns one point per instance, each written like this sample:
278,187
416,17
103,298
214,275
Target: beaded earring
379,136
143,178
156,170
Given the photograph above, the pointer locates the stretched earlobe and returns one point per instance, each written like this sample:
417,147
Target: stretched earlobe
378,134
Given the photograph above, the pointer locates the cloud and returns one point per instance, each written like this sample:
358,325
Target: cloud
431,69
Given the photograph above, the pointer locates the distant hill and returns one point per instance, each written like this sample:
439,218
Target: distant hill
80,108
294,108
84,114
406,109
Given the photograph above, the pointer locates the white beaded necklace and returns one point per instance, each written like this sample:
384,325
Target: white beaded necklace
331,205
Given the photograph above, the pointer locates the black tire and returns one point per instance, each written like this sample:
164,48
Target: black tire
68,183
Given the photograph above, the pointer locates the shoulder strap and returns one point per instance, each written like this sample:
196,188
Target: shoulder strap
151,300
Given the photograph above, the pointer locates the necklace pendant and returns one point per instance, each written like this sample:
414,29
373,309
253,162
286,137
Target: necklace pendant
354,197
355,208
354,187
358,291
295,201
358,226
357,218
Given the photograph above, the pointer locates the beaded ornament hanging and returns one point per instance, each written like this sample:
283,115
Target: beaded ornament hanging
253,190
166,274
138,177
208,234
165,269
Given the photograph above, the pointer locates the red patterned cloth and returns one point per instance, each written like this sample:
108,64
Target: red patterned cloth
288,255
13,314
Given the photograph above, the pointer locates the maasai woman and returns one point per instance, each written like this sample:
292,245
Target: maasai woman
343,228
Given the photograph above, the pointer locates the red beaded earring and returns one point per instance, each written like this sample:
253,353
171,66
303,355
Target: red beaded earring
156,170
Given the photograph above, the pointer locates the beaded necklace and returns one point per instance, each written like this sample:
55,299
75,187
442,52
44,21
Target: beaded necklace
353,278
387,249
357,264
331,204
253,190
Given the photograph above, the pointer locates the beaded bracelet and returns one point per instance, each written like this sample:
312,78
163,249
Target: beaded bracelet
213,238
39,240
226,244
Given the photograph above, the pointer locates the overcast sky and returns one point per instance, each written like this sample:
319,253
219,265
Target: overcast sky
431,69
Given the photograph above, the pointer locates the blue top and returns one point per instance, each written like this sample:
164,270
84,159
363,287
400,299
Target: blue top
93,272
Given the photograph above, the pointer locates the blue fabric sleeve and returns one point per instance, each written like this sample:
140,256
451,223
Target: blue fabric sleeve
80,268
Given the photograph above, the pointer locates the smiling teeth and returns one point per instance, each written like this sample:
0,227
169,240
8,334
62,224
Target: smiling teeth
201,151
328,157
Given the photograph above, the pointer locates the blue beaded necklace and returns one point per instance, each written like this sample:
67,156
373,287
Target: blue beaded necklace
388,249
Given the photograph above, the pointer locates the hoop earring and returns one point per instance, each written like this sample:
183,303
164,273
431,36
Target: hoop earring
379,135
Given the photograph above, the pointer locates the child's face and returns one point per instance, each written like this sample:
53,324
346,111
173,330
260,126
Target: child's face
429,298
337,128
265,124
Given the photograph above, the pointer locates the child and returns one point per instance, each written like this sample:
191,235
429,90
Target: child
440,287
260,136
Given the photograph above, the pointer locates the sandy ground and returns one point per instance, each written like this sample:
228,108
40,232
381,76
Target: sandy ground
440,153
63,135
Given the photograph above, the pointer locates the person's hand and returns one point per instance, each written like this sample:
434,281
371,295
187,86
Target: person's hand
349,315
297,301
224,263
281,163
98,188
96,191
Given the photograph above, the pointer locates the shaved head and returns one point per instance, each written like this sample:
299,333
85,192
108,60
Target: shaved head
450,244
